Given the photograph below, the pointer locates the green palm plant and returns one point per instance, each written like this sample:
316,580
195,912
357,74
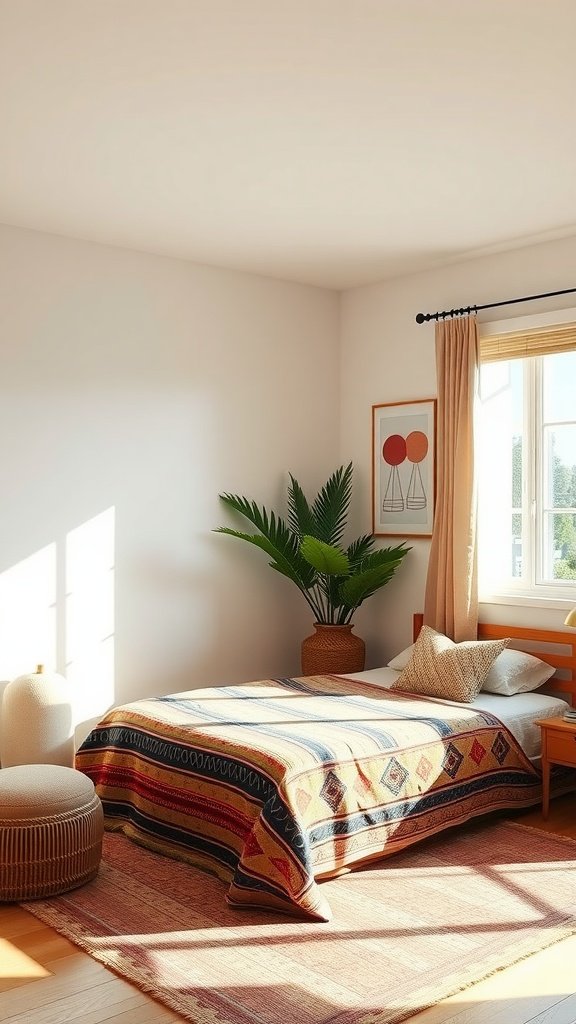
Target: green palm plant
307,549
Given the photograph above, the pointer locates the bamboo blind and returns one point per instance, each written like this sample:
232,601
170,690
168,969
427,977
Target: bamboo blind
539,341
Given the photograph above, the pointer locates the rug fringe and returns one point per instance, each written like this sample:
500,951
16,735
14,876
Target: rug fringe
120,964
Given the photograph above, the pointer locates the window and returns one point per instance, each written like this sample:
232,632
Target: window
527,463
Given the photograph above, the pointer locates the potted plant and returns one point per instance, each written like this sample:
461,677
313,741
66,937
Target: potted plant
334,580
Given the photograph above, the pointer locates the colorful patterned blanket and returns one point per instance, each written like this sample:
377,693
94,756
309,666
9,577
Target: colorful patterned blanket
278,783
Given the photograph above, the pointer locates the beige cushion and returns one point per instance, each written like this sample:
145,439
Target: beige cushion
31,790
440,668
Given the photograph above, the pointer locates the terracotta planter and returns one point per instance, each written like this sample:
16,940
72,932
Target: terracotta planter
332,649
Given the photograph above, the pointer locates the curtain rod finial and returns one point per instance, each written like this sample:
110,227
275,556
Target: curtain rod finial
420,318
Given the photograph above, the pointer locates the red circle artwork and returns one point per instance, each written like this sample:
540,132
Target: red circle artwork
394,450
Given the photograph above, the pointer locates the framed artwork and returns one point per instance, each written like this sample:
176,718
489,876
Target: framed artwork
403,468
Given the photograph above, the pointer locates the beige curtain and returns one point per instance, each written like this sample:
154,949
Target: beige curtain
451,604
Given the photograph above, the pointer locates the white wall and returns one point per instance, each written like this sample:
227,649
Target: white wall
387,357
134,389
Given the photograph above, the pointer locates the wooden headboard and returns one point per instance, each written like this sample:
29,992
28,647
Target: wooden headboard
557,647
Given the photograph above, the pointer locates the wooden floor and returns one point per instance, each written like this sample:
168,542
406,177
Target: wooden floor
44,979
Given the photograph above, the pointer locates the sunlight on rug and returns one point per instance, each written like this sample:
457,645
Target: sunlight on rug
406,932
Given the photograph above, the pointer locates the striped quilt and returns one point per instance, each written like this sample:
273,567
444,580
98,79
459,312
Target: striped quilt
276,784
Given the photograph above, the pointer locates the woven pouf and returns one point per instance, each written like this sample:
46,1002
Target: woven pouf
51,828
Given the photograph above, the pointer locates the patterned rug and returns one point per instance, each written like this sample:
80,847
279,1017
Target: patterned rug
406,932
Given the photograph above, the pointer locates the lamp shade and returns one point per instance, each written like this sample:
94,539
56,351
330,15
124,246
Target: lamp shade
570,619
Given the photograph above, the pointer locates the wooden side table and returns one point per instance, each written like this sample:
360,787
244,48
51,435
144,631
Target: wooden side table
558,747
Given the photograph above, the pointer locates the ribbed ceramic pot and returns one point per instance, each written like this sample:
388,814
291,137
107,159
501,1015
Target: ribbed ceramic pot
36,723
332,649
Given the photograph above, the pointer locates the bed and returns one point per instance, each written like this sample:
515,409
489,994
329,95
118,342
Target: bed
278,784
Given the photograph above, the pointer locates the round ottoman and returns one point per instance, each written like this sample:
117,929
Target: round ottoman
51,828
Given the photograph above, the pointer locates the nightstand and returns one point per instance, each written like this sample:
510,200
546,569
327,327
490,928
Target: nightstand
558,747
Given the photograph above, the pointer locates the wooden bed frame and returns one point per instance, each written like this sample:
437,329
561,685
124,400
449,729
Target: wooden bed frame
541,643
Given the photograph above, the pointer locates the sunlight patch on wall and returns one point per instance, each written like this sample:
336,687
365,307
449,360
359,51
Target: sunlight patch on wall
28,614
57,609
89,560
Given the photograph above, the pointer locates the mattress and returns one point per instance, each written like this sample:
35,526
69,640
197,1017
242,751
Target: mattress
518,713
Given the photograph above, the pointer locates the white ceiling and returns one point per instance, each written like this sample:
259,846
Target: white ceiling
334,142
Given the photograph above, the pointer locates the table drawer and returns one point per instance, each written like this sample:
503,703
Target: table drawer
561,746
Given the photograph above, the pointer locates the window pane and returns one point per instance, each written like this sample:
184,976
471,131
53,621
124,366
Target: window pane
516,471
516,546
560,466
560,546
527,475
501,471
559,378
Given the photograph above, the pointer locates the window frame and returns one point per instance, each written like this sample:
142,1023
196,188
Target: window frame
529,591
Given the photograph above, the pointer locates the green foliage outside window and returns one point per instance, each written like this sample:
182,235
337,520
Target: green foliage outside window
563,493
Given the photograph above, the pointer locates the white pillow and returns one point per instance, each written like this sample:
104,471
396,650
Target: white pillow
401,660
516,672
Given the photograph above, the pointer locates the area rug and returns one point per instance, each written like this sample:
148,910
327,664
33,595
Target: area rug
406,932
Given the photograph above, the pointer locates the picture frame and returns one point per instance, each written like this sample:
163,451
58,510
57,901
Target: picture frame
404,468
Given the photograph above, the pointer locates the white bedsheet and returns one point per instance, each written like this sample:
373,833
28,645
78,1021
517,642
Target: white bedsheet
519,713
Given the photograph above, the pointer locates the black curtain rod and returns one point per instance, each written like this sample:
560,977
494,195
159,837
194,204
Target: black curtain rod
466,310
